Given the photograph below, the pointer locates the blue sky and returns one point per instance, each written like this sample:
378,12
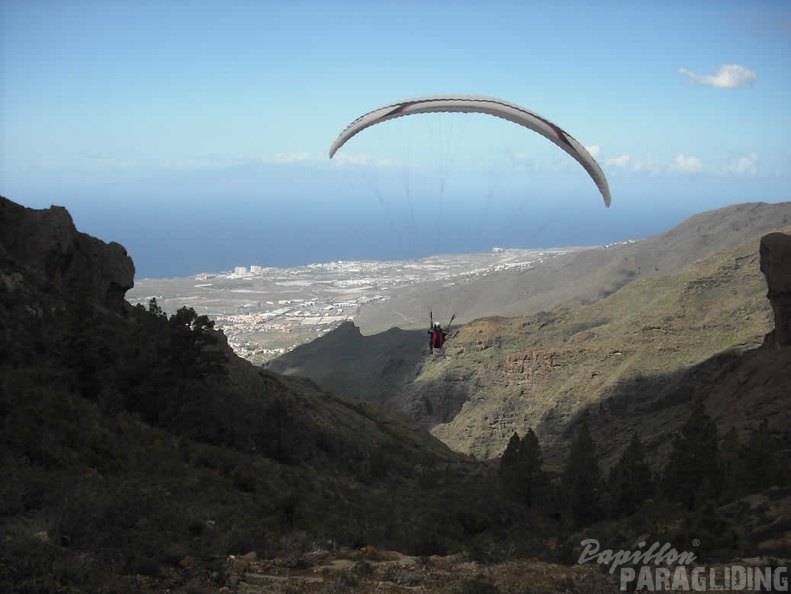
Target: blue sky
147,119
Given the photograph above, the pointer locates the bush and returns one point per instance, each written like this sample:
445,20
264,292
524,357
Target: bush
479,585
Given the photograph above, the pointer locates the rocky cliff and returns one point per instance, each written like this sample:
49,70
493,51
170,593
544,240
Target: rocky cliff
776,266
648,346
631,362
45,243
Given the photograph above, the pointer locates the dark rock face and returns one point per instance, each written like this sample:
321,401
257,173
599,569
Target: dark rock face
776,266
45,242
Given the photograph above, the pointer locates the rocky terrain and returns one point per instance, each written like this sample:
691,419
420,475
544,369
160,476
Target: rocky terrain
140,454
371,570
649,346
775,256
50,245
653,346
134,440
344,361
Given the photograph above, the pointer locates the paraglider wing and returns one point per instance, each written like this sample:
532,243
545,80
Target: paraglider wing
488,105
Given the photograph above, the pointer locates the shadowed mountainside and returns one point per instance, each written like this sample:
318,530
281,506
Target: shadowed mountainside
58,282
346,362
538,371
140,454
657,337
134,442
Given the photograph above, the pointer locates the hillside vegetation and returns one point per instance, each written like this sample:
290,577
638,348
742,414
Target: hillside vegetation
133,441
654,340
581,277
138,453
542,370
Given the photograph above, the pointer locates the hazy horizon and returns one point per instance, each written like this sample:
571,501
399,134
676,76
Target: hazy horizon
197,134
179,240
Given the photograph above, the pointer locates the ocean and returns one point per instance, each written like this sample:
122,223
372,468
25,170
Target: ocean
206,222
171,242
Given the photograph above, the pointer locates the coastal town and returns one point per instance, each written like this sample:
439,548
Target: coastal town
265,311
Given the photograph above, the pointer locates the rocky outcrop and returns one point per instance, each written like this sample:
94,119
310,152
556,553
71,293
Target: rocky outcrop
47,244
776,266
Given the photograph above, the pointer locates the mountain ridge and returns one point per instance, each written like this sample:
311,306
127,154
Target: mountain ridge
712,305
140,454
138,444
583,277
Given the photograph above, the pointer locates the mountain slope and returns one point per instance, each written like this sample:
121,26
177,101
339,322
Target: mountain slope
45,271
346,362
137,443
582,277
500,375
540,371
140,454
378,366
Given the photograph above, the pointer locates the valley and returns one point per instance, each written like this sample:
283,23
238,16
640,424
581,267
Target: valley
266,312
140,453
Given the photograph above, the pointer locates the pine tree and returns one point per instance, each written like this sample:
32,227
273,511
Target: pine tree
194,360
509,465
761,466
192,346
581,481
85,348
530,461
731,457
694,472
520,468
630,480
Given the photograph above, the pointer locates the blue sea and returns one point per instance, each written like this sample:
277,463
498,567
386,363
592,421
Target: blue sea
171,242
180,226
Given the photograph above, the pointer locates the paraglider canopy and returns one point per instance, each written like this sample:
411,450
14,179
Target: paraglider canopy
487,105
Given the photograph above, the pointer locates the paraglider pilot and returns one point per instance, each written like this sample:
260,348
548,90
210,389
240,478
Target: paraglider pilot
436,336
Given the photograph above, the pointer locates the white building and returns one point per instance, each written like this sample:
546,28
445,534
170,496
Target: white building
240,270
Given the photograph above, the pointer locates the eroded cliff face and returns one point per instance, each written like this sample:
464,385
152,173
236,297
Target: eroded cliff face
45,243
776,266
631,362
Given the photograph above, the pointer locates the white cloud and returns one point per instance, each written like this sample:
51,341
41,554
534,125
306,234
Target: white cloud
743,166
621,161
363,160
684,164
729,76
481,164
293,157
647,165
594,150
630,163
99,161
